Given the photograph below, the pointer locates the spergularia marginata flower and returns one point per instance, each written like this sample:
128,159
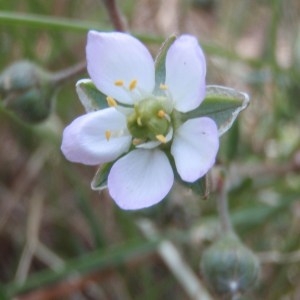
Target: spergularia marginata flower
142,130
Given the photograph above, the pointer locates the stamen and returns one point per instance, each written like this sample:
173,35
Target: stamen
136,141
111,101
161,113
161,138
119,82
163,86
132,84
107,134
139,121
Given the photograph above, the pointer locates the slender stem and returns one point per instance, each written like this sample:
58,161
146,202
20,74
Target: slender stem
115,15
222,202
62,76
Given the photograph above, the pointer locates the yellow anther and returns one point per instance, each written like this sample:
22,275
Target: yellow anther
136,141
163,86
119,82
132,84
139,121
161,138
107,134
161,113
111,101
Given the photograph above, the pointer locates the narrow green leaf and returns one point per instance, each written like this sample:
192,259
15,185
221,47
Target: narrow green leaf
90,97
99,181
49,22
98,260
57,23
160,63
222,104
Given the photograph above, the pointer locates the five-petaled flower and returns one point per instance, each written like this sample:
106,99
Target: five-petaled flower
142,129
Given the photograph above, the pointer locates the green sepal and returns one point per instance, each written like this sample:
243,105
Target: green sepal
221,104
99,181
199,187
90,97
160,64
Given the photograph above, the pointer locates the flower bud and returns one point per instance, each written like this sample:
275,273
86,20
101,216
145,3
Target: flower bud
229,267
27,90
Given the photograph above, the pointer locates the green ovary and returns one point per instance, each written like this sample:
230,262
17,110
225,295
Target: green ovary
146,122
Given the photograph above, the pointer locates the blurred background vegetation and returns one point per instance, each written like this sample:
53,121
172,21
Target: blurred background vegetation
60,240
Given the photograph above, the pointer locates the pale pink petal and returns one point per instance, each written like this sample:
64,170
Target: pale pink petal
140,179
195,148
84,140
119,56
185,73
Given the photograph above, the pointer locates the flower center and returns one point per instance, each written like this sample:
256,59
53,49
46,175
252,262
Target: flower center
150,120
151,117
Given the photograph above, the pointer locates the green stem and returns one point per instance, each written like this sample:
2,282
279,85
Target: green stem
222,202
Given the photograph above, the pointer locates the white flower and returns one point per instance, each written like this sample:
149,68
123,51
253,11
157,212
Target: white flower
142,125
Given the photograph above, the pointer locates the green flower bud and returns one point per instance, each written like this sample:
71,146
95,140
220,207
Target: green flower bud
27,90
149,119
229,267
